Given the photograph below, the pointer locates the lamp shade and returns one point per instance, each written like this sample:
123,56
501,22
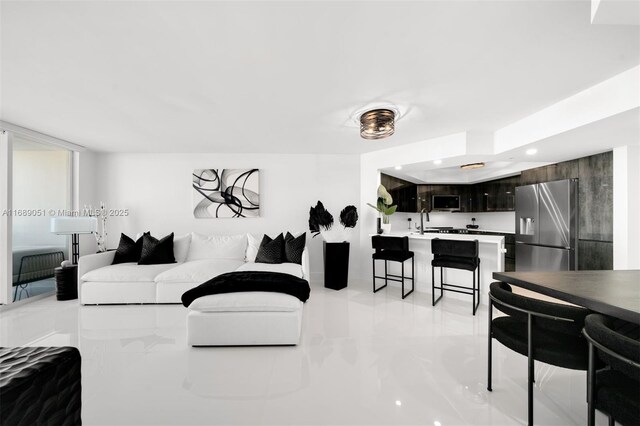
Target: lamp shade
73,225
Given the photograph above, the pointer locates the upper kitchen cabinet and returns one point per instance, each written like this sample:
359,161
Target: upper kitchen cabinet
531,176
404,193
494,195
424,198
564,170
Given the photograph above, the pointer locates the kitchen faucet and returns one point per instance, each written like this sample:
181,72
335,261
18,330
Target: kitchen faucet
421,220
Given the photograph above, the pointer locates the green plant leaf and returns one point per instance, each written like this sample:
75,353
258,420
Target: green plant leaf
390,210
374,207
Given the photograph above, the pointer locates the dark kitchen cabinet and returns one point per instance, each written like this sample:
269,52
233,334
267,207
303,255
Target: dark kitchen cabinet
405,198
495,195
404,193
424,198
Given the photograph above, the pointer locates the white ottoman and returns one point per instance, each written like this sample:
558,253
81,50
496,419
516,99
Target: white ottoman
244,319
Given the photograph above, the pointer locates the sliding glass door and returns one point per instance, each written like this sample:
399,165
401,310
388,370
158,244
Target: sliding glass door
41,189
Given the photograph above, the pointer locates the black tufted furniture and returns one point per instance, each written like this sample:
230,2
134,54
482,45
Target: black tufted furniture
392,249
40,386
616,390
455,254
540,330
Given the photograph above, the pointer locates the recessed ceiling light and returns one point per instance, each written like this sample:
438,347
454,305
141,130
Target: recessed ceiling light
398,403
437,162
398,167
472,166
531,151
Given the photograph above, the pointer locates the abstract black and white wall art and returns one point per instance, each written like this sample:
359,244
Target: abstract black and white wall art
220,193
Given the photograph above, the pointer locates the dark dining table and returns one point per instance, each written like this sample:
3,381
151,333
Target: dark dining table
613,293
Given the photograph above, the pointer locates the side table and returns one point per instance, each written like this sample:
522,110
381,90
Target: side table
66,282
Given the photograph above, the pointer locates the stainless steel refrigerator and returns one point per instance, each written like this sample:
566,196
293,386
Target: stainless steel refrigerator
547,226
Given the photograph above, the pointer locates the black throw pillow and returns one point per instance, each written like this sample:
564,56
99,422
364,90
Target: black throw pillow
155,252
271,250
293,248
128,250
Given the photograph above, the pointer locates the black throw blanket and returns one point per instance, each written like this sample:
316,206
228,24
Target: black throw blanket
233,282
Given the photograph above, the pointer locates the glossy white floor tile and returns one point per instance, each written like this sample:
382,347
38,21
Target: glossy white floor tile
365,358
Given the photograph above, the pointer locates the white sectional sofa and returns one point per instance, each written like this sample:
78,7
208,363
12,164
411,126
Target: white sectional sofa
199,259
242,318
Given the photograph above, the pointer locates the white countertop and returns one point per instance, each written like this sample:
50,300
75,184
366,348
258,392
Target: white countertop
492,230
486,239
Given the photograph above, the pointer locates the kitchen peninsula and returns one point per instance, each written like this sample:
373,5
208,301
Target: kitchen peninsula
491,251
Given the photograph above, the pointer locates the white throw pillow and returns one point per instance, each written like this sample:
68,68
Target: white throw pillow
217,247
253,244
181,247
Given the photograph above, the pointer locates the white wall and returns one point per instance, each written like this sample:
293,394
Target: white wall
626,205
156,188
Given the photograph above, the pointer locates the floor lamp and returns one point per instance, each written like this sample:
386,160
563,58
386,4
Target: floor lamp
74,225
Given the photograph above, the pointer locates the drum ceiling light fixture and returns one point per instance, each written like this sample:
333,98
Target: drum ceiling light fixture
377,123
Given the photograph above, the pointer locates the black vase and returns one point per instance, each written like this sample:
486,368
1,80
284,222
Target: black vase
379,229
336,265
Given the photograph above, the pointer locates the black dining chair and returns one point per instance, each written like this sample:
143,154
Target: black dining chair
392,249
615,391
540,330
455,254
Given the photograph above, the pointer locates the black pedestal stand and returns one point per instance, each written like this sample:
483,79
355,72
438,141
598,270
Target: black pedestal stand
66,282
336,265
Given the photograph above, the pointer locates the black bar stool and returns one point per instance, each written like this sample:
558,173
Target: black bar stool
394,249
455,254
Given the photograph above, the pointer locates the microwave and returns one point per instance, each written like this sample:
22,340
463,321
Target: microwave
445,202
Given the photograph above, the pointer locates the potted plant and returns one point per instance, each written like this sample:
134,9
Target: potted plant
336,242
385,208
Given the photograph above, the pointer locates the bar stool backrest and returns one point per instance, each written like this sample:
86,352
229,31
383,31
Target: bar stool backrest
389,243
440,247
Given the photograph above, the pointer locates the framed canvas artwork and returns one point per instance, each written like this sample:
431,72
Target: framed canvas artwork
226,193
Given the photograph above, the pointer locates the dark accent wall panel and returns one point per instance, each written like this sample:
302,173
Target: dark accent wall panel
596,197
564,170
595,255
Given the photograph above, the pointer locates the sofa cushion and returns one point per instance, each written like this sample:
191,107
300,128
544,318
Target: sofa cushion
181,247
286,268
127,272
253,245
217,247
198,271
250,301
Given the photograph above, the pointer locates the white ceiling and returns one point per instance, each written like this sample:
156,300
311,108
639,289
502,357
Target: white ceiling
599,136
208,76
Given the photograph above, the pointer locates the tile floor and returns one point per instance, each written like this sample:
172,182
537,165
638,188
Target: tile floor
364,358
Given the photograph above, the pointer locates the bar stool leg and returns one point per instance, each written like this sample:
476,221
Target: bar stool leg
489,354
402,278
474,292
385,273
373,261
